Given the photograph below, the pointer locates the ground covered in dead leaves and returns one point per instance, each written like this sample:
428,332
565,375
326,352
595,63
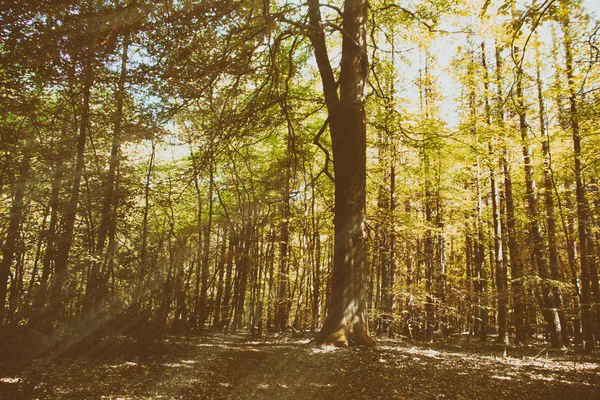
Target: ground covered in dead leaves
235,367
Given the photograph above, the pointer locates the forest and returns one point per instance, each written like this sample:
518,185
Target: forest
190,188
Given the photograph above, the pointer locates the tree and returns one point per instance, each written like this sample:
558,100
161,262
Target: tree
346,322
587,318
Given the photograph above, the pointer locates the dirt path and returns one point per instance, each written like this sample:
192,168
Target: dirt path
232,367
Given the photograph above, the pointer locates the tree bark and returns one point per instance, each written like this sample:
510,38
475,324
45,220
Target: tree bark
9,248
347,322
480,276
221,271
516,268
549,309
207,233
42,292
226,308
587,317
550,219
70,211
282,297
501,278
143,278
108,207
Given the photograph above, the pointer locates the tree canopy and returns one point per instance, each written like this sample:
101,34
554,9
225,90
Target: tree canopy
352,169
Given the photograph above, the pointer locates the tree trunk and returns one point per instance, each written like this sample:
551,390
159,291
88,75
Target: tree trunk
569,228
429,252
144,272
108,207
469,256
226,308
346,322
440,256
501,279
9,247
270,279
550,220
587,317
70,211
195,317
207,228
221,271
42,292
480,277
282,298
549,309
516,268
243,259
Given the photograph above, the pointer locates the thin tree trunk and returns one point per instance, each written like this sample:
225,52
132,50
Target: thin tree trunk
226,309
207,228
70,211
38,252
549,309
469,256
243,268
569,229
42,293
270,297
143,278
108,207
516,268
221,272
316,301
282,309
9,248
587,317
499,264
429,255
479,272
550,219
195,317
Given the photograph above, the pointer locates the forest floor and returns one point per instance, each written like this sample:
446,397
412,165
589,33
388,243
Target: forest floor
217,366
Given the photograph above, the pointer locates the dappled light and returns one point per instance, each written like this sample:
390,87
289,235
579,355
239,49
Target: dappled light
297,200
288,368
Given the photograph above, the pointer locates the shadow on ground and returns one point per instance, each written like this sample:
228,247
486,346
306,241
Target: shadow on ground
233,367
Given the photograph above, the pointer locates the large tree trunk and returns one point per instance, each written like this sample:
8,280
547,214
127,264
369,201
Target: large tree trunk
346,322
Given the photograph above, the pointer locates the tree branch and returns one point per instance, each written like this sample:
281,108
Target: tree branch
327,155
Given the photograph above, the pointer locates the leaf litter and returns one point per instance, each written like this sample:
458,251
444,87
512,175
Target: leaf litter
217,366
